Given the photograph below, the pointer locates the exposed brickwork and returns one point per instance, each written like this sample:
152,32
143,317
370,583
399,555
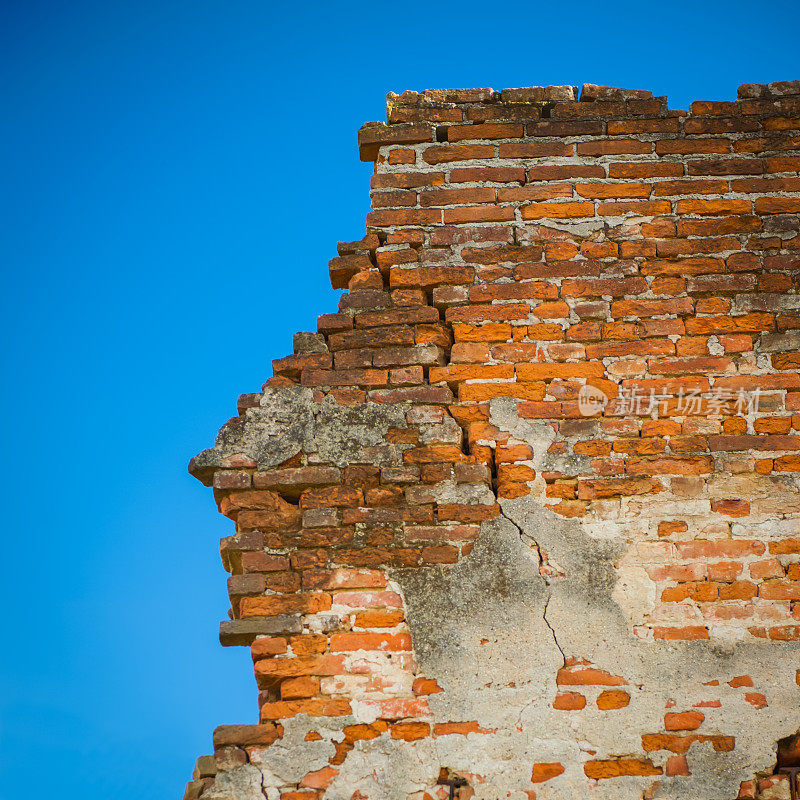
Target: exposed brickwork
530,245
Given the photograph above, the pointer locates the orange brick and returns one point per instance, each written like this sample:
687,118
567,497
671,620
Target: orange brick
466,372
612,699
348,642
296,688
426,686
731,508
677,765
549,371
616,487
685,633
410,731
297,604
365,732
714,207
779,590
490,332
546,771
602,191
283,709
571,701
615,768
668,528
756,698
461,728
273,646
466,214
320,779
683,721
777,205
627,169
587,676
645,208
378,619
425,277
557,210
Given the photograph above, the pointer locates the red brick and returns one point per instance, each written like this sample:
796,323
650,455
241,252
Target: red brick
646,169
488,174
459,133
560,172
690,146
429,276
725,166
441,154
457,216
720,125
418,216
689,186
609,147
450,196
534,149
554,127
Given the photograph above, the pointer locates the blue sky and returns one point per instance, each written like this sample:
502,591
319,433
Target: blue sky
175,177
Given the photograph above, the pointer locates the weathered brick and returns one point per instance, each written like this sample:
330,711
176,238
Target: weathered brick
460,133
442,154
557,210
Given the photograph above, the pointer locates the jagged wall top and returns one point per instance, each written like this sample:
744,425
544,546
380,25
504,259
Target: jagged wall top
446,115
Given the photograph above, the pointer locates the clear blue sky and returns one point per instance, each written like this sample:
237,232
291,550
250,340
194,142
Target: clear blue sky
175,176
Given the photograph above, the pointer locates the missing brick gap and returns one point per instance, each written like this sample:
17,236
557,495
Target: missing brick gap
788,761
546,110
455,782
441,133
493,475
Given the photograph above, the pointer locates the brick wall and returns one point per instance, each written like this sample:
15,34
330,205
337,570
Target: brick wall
577,321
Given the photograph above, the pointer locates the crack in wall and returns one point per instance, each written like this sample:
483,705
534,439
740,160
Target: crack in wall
535,546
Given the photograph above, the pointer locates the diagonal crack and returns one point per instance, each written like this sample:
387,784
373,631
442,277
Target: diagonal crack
552,629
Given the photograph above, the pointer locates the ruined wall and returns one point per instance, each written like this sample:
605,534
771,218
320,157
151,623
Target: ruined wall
524,513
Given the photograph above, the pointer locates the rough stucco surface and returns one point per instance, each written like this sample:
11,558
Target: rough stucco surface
288,422
450,568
